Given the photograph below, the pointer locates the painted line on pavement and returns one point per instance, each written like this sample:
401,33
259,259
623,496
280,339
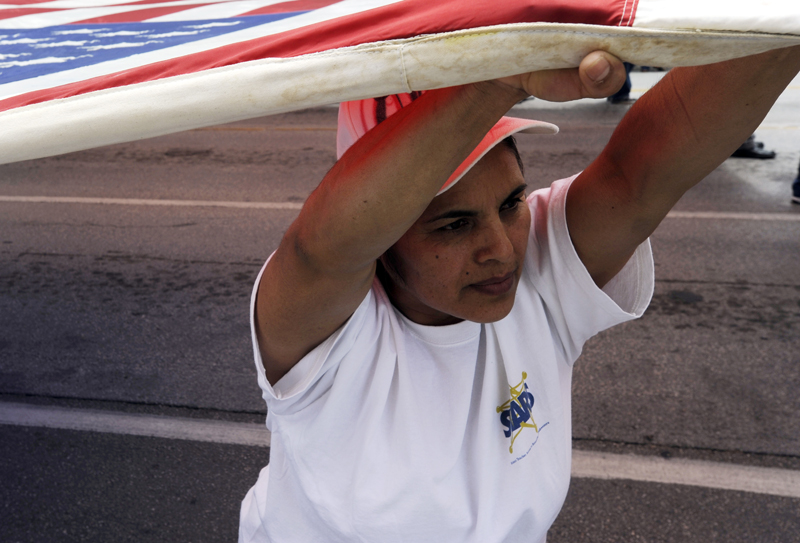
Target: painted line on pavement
585,464
265,129
737,216
681,471
90,420
148,202
709,215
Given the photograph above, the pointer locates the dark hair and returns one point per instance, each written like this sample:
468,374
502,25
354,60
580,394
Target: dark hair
511,143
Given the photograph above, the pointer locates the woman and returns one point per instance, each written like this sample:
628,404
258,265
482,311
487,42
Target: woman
415,350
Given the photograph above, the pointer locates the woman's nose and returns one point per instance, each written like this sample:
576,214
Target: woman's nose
494,243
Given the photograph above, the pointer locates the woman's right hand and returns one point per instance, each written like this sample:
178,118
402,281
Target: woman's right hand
600,74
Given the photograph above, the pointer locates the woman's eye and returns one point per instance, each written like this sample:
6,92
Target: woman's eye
511,204
455,225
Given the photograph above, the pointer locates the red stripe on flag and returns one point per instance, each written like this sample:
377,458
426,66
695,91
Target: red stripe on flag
143,14
34,2
404,19
137,15
293,5
19,12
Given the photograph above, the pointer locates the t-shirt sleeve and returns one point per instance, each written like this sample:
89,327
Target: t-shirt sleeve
306,381
577,308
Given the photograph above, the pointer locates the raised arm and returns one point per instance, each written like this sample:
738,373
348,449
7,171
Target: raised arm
326,261
673,137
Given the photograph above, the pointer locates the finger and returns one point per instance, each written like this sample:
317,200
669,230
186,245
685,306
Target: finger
554,85
601,74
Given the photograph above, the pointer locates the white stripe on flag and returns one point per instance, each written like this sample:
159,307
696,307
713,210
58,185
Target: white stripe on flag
69,4
723,15
55,18
217,10
68,16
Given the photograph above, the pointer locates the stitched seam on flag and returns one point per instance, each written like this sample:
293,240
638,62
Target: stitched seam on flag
403,68
376,47
247,65
495,30
628,31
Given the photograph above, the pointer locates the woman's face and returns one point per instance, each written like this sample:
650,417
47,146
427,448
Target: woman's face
463,257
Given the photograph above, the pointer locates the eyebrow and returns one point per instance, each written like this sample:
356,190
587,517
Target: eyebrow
458,213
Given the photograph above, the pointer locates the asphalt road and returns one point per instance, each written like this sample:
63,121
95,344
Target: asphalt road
143,309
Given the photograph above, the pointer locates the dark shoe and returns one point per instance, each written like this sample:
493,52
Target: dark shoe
796,191
753,153
753,149
621,100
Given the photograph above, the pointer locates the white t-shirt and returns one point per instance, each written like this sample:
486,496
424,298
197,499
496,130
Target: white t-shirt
390,431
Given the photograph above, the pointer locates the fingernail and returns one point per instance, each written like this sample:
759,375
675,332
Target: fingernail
599,69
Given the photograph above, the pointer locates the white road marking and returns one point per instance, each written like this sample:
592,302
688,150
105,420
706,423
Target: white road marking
89,420
680,471
736,216
228,128
585,464
708,215
147,202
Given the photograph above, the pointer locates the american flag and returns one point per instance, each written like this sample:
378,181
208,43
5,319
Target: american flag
65,47
54,52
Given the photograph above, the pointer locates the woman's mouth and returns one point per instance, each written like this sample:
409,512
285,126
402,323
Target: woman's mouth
495,286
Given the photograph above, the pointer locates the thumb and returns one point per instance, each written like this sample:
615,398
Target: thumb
599,74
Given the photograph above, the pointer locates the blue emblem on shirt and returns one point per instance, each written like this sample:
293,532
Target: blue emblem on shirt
517,413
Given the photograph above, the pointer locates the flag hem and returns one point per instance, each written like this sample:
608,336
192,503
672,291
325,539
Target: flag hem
270,86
